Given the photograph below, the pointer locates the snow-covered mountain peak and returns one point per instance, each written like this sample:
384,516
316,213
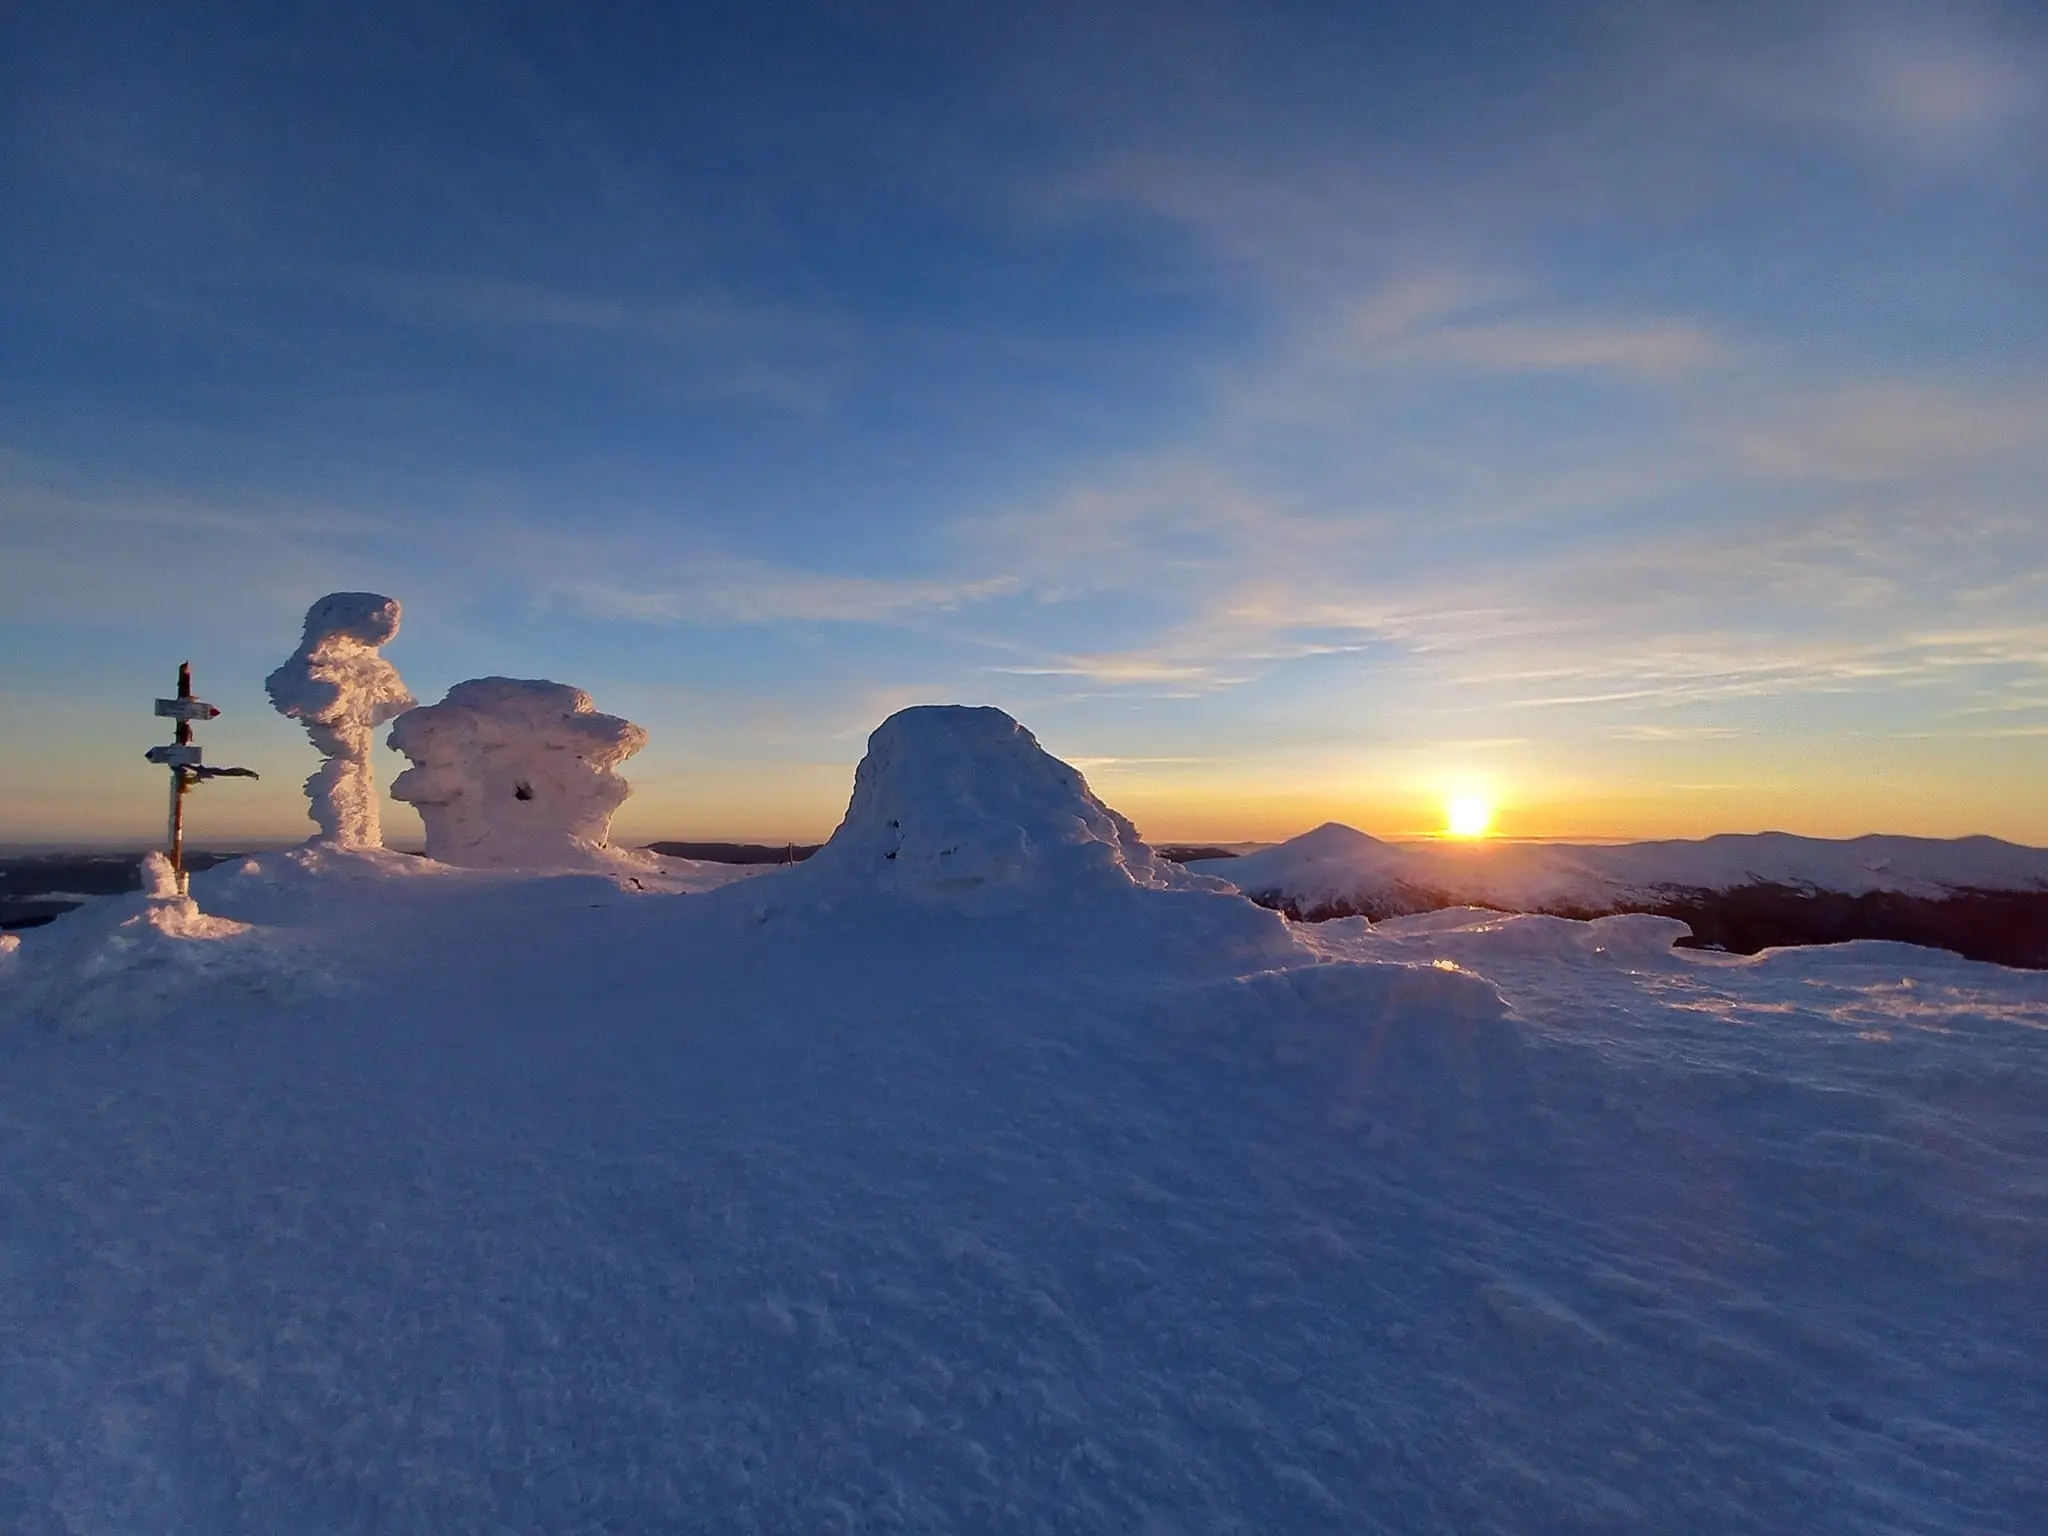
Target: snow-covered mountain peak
1333,840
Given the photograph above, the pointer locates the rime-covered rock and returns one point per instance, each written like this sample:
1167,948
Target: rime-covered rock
338,687
951,798
515,773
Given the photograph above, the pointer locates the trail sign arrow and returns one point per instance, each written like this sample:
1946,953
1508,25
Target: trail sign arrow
177,756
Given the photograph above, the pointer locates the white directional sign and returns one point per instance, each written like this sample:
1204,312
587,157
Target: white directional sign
182,757
186,709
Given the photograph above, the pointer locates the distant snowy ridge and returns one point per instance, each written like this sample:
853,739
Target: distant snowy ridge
1338,871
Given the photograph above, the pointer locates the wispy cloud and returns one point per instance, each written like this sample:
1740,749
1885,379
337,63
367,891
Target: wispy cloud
1653,350
1820,598
755,592
1452,318
1895,430
498,303
1675,733
740,348
83,547
1141,762
1930,86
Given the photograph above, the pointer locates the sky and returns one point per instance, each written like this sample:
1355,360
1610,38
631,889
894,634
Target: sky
1633,415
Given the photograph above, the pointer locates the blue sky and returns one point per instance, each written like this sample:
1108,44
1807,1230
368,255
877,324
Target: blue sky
1638,414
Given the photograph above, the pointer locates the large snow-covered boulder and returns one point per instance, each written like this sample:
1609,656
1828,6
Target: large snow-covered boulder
338,687
951,798
515,773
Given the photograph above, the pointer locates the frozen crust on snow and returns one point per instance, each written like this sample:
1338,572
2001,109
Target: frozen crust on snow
516,773
952,798
338,687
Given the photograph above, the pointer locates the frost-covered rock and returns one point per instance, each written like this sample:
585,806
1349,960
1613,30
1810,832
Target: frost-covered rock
341,690
951,798
515,773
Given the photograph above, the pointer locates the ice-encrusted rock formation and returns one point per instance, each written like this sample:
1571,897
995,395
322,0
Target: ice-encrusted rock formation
951,798
341,690
515,773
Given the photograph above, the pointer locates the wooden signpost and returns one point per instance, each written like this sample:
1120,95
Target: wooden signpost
182,757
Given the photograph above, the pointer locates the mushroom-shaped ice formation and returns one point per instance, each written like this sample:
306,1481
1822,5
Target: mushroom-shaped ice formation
341,690
515,773
950,798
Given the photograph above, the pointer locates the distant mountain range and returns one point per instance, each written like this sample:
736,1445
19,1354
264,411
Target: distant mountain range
1978,896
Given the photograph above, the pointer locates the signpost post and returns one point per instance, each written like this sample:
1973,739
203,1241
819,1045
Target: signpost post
182,757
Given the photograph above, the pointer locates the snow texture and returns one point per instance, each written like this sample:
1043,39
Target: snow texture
341,690
399,1197
1338,867
516,773
951,799
119,955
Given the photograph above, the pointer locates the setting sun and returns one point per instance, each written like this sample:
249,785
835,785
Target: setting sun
1469,816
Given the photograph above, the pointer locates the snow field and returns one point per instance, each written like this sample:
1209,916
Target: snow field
1010,1184
566,1207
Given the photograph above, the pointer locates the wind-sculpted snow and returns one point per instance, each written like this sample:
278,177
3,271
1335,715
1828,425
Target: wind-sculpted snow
516,773
951,800
562,1205
341,690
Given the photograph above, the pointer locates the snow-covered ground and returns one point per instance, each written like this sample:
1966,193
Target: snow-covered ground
989,1176
1336,866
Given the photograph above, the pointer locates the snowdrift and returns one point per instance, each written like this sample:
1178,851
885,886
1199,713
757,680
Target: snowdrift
118,957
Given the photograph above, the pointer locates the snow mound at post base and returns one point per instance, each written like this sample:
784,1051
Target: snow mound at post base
516,773
952,799
121,957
